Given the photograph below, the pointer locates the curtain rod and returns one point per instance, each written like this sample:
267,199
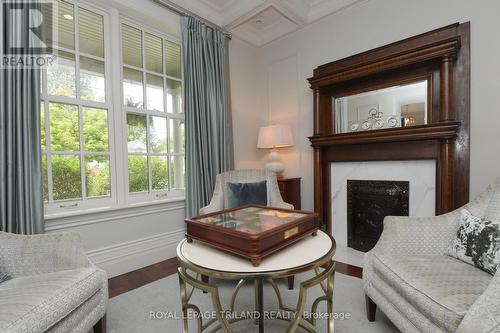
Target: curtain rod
184,12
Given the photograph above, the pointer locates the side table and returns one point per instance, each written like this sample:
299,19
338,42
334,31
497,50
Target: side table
290,191
309,254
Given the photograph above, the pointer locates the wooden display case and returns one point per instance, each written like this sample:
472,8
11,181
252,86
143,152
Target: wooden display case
252,231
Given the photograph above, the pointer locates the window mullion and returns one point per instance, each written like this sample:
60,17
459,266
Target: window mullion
78,100
110,100
77,55
81,153
149,155
50,182
119,117
148,120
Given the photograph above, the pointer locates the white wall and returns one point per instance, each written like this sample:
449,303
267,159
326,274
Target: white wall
125,239
246,103
364,26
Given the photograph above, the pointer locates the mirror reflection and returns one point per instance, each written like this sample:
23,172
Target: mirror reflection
397,106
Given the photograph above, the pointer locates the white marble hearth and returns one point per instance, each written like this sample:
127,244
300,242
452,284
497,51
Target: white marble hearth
420,174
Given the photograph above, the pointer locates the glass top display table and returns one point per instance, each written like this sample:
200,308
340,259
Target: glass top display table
252,231
308,254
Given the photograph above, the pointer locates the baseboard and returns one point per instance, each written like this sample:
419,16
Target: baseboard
125,257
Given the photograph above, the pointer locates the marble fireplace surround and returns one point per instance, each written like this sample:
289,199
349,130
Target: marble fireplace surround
420,173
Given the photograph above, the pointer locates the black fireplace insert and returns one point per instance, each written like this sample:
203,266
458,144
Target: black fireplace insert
368,203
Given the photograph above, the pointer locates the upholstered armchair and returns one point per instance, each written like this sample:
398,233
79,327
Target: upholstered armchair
54,286
411,279
219,198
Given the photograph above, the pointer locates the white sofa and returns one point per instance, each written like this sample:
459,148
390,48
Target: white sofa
54,286
408,276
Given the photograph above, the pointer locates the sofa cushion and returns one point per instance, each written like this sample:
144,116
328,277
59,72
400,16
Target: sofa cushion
441,287
37,302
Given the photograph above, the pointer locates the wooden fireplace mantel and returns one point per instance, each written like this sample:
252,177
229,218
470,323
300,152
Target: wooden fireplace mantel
442,58
439,131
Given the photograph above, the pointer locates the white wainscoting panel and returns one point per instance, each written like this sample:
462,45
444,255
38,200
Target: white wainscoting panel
128,256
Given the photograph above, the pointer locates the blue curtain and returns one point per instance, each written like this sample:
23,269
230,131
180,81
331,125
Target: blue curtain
209,141
21,203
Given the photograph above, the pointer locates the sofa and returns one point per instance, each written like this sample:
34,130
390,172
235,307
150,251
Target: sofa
410,278
53,286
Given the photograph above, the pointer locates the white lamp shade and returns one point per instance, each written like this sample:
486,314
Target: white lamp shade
275,136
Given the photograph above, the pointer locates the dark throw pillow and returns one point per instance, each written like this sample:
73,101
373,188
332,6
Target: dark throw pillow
477,242
240,194
4,277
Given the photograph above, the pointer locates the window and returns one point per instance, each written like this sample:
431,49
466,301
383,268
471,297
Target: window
152,100
100,149
75,111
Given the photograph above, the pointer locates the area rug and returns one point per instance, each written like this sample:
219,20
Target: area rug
156,307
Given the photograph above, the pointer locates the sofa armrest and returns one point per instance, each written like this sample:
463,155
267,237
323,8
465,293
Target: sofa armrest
22,255
217,200
426,235
484,313
410,236
283,205
212,207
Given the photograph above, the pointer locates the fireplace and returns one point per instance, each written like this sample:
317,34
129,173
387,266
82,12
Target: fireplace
368,203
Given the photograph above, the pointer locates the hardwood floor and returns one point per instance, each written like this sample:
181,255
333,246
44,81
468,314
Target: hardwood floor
122,283
347,269
138,278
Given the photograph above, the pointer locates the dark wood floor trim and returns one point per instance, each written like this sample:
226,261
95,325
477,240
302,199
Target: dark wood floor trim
138,278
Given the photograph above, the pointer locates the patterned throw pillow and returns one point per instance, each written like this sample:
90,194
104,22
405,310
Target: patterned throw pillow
4,277
477,242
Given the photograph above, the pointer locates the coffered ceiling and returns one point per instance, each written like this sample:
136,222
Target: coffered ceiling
262,21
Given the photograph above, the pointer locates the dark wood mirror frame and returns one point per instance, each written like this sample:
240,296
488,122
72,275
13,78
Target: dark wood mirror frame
442,57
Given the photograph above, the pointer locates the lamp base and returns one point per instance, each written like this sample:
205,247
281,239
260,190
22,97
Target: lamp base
274,164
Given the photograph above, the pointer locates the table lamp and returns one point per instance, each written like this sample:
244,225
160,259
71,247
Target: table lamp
273,137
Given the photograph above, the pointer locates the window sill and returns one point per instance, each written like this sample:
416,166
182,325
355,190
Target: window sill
89,211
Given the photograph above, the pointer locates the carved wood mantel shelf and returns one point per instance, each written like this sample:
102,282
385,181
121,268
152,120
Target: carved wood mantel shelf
439,131
441,58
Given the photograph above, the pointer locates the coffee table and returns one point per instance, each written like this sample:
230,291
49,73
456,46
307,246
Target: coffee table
308,254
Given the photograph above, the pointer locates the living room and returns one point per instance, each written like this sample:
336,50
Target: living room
367,126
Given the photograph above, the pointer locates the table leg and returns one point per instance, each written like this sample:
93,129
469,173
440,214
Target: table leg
329,302
328,275
259,290
186,279
291,282
204,278
184,301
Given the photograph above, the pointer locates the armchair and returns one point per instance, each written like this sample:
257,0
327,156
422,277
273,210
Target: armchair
219,198
54,286
409,277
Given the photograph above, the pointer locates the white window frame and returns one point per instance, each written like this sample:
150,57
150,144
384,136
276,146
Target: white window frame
150,195
84,203
117,125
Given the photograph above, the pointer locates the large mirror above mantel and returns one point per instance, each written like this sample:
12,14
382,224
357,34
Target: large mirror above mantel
402,105
406,101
